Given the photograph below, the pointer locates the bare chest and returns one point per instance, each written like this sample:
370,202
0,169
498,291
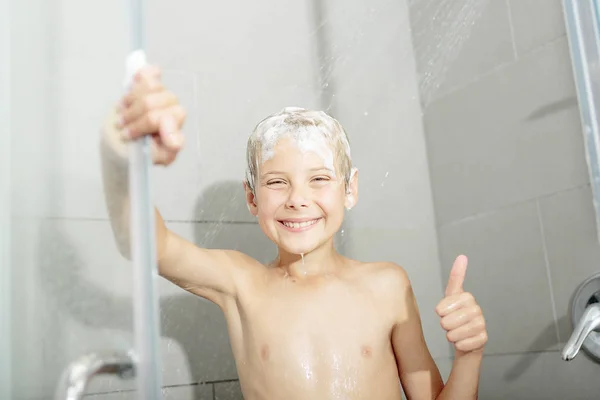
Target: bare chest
316,321
329,341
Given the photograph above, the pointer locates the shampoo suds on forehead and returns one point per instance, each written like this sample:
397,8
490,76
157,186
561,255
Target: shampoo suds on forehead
308,139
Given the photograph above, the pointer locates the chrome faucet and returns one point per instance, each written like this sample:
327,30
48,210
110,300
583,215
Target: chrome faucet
78,374
589,321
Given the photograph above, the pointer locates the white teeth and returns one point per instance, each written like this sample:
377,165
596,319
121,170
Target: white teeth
299,224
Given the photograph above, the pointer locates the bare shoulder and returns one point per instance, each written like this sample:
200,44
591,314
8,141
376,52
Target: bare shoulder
384,277
389,286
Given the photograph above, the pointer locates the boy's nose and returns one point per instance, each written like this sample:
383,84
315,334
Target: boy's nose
297,199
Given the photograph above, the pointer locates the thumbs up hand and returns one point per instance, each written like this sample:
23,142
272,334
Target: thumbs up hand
460,314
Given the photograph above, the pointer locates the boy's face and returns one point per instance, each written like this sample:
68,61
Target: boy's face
299,200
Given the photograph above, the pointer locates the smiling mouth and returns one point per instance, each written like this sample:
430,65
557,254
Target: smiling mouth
299,225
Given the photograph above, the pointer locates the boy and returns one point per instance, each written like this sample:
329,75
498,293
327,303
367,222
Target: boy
313,324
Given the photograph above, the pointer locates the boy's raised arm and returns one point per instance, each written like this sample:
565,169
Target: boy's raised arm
149,109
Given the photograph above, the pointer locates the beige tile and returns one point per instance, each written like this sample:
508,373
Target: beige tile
572,245
535,23
507,275
456,42
514,135
228,391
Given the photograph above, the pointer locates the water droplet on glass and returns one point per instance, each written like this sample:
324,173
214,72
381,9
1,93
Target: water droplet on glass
386,175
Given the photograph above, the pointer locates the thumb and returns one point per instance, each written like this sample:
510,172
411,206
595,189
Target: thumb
169,133
457,276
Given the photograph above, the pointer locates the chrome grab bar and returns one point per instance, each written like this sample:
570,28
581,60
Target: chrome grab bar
79,373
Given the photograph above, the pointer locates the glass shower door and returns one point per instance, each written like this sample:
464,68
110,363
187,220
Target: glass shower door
66,292
5,377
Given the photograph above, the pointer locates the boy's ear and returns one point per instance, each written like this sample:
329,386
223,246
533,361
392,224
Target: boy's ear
250,200
352,190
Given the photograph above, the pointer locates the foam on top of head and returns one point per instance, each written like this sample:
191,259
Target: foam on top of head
311,130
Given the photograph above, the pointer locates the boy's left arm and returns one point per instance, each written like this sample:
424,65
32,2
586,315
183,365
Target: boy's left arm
463,320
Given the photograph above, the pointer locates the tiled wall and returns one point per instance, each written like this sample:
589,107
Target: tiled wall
72,289
506,158
511,190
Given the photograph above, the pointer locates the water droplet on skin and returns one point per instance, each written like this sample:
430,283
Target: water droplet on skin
302,255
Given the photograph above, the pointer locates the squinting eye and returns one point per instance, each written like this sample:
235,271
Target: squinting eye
274,182
321,179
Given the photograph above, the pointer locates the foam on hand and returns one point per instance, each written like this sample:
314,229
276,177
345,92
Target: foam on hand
135,61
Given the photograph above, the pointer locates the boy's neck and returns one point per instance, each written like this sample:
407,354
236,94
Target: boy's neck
322,260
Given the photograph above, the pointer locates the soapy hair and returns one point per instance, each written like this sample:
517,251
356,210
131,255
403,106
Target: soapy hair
304,126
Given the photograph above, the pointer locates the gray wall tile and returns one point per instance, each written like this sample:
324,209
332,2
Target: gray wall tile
572,243
228,391
549,23
538,376
456,42
509,180
514,135
507,275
